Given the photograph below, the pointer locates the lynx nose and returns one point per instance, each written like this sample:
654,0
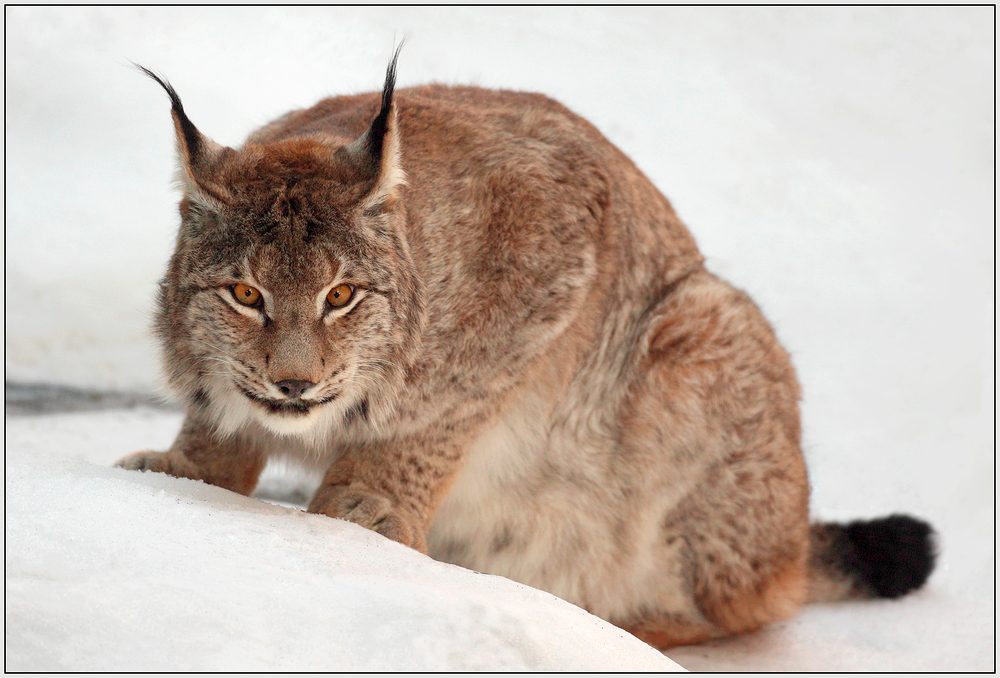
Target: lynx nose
293,388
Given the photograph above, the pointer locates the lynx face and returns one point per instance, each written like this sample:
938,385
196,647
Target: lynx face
294,326
290,300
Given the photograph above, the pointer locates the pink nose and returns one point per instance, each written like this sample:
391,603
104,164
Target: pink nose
293,388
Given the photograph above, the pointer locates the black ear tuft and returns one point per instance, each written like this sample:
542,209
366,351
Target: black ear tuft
376,133
199,157
192,138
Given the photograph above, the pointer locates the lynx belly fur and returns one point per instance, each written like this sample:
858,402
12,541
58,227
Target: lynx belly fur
501,343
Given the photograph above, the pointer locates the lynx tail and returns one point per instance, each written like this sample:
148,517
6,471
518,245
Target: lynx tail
881,558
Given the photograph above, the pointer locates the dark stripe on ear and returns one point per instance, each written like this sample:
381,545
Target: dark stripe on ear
190,132
376,134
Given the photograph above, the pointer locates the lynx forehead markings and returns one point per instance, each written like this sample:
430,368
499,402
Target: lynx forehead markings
500,340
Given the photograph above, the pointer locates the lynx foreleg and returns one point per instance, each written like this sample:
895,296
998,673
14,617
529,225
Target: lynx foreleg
393,487
197,453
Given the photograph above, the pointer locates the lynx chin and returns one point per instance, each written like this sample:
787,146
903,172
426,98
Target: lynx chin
500,342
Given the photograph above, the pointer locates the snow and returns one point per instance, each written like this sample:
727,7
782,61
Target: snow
115,571
835,162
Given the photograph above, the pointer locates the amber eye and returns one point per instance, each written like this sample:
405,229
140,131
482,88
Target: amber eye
340,295
246,295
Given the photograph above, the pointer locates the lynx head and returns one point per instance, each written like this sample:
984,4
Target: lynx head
291,299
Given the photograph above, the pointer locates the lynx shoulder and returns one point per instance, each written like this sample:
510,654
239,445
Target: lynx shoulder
500,341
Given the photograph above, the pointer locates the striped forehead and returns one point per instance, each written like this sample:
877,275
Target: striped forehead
281,265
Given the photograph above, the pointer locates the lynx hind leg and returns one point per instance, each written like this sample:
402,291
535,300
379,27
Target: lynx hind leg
232,463
716,408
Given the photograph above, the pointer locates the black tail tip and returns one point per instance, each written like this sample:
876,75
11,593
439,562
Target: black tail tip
895,554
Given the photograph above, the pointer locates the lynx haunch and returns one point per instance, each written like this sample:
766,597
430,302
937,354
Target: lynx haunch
501,342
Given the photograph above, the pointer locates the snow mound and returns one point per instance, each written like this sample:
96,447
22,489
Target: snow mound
110,570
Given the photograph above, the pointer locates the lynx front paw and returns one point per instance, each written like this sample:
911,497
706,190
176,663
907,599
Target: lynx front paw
375,512
145,461
160,462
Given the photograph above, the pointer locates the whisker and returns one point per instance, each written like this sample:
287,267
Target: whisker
373,362
215,374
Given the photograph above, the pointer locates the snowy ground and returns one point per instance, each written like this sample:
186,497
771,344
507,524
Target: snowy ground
115,571
835,162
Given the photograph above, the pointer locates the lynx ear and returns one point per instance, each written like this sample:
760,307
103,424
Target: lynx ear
376,152
199,157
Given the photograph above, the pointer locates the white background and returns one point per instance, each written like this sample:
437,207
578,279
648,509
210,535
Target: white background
837,163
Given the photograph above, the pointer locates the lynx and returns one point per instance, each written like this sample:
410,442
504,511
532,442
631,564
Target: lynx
502,345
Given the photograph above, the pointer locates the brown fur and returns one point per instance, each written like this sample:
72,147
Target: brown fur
538,377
